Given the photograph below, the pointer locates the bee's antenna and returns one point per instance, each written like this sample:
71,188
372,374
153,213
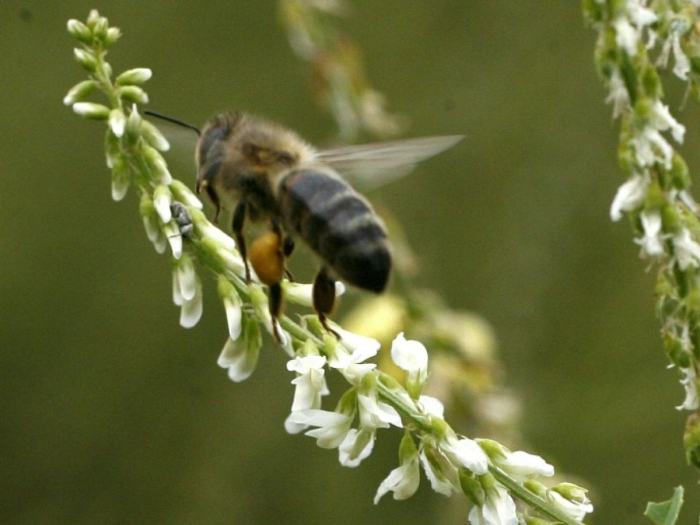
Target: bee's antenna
174,121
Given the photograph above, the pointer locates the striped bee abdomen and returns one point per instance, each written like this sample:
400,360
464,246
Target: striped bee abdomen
338,224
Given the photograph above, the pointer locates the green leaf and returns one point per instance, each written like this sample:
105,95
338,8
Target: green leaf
666,513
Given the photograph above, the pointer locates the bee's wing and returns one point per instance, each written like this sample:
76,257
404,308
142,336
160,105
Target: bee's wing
372,165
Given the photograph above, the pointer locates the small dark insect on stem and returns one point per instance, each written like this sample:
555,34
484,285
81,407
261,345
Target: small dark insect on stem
174,121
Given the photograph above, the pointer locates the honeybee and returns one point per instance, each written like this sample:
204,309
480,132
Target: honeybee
267,173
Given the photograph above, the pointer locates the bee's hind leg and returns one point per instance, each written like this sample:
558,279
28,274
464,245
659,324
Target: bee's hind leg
287,250
324,297
237,226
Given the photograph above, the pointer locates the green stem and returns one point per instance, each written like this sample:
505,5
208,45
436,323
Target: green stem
533,500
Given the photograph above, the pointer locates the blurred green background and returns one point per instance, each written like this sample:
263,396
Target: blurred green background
111,413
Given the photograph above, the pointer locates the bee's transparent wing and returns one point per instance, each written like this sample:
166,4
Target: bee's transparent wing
371,165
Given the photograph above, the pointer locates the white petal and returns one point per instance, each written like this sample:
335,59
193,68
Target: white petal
626,36
409,355
523,465
174,237
240,359
467,453
162,201
433,406
629,196
439,483
402,481
682,65
120,185
233,316
356,446
187,278
498,509
361,346
191,310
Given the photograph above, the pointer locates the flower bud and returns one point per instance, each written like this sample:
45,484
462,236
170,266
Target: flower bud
113,34
91,110
117,122
85,59
135,76
133,125
471,487
93,18
101,27
184,194
80,31
120,178
162,198
157,164
133,94
79,92
153,136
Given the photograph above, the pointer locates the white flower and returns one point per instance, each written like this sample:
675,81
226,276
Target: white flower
682,65
629,196
663,120
240,358
641,16
651,242
234,313
498,509
523,466
442,474
333,427
651,147
376,414
174,237
162,199
348,357
432,405
191,309
466,453
356,446
403,481
687,251
626,36
117,121
576,506
618,94
690,384
310,386
184,280
412,357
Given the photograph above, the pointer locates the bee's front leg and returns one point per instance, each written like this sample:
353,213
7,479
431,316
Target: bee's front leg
324,297
237,226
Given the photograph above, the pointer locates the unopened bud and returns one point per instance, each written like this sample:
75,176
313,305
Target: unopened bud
79,92
133,77
80,31
91,110
85,59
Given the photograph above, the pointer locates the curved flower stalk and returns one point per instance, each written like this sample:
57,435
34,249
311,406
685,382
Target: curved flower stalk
636,38
339,80
490,475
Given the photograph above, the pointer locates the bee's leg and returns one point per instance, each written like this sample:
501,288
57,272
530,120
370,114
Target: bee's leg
237,226
275,302
324,297
213,196
287,250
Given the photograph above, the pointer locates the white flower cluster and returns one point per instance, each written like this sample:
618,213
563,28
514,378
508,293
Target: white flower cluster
352,426
652,157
